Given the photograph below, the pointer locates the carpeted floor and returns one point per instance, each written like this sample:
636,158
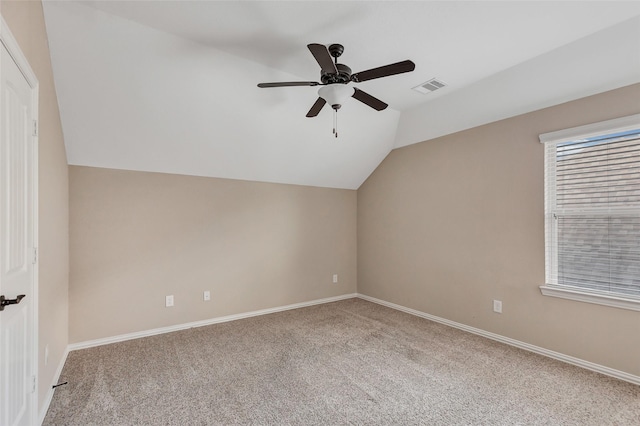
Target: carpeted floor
348,362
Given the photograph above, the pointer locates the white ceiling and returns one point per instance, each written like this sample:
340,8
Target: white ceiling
170,86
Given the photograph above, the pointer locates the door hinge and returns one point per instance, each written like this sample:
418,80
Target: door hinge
35,255
35,127
33,384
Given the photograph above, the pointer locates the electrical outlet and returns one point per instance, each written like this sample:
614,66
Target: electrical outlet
497,306
335,278
46,355
168,301
207,295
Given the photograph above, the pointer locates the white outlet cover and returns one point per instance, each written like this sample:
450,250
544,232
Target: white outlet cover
335,278
169,301
207,295
497,306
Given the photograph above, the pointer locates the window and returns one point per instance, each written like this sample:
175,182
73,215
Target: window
592,213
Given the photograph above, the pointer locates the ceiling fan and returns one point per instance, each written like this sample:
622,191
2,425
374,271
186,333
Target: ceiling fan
335,77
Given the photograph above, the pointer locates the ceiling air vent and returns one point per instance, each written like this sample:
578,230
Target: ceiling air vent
429,86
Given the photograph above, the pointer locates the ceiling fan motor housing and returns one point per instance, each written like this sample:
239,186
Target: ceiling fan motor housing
343,76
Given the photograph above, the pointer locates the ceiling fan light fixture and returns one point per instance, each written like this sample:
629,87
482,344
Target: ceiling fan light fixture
335,94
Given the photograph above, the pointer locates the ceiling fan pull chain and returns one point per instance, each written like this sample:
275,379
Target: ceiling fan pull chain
335,122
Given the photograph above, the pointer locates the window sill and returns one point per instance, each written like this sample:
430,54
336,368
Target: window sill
599,299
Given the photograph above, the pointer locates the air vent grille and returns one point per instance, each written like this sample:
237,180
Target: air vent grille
429,86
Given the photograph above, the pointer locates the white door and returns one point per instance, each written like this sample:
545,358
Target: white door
16,244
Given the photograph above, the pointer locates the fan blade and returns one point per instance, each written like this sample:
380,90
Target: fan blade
315,109
387,70
322,55
367,99
289,83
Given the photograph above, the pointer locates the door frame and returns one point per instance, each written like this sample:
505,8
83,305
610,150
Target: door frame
10,43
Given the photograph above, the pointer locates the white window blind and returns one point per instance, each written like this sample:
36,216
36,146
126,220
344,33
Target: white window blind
592,209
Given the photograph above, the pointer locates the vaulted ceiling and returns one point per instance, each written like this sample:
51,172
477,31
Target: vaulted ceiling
170,86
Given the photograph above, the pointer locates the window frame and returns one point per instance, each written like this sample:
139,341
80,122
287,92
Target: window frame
622,124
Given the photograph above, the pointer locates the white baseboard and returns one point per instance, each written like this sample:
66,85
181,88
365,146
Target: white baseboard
169,329
51,390
509,341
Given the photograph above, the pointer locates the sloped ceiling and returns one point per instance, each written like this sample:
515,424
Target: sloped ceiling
170,86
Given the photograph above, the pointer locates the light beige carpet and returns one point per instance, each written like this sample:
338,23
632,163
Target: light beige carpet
348,362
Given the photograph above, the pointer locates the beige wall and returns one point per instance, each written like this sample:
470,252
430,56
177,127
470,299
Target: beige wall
447,225
26,21
136,237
